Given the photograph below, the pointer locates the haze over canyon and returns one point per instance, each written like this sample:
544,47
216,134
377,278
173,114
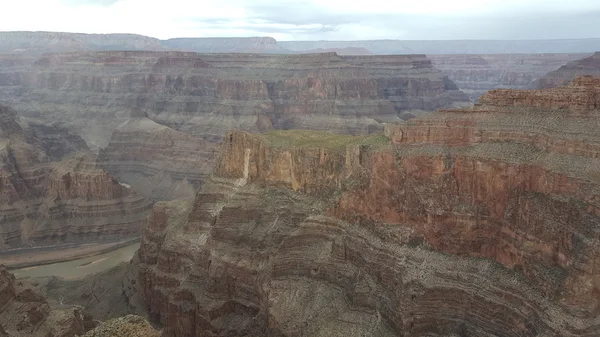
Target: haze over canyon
267,187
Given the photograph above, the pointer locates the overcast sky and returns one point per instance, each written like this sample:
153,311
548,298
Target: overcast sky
312,19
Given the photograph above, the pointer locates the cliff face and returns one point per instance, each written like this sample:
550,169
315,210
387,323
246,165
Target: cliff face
25,312
565,74
44,201
476,74
475,222
157,161
580,97
208,94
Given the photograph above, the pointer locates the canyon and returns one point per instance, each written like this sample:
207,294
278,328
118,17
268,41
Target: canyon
25,312
299,188
480,221
476,74
566,73
207,94
53,192
156,118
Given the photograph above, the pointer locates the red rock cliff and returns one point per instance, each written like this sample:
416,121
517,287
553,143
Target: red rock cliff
450,220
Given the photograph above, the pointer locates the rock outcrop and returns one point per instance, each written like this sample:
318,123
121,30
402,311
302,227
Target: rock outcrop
24,312
208,94
474,222
127,326
43,201
157,161
57,141
476,74
580,97
565,74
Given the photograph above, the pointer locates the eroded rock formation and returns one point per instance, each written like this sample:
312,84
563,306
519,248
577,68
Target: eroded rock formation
474,222
127,326
476,74
43,201
24,312
565,74
157,161
208,94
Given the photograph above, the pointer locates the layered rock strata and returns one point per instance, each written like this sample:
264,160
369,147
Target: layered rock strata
474,222
565,74
476,74
208,94
157,161
24,312
43,201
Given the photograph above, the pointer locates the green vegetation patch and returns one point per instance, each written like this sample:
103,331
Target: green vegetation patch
322,139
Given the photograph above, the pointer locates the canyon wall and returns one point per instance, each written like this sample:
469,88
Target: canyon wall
157,161
169,109
50,194
565,74
208,94
476,74
25,312
476,222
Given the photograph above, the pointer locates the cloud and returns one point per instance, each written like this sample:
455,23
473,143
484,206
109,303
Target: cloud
90,2
313,19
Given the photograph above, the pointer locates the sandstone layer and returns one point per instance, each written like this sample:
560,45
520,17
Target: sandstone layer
565,74
24,312
474,222
476,74
44,201
208,94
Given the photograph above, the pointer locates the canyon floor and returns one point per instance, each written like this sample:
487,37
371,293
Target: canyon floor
25,258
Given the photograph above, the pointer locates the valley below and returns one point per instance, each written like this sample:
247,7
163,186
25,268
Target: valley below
41,256
77,262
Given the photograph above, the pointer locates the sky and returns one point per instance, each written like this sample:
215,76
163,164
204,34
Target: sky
312,19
